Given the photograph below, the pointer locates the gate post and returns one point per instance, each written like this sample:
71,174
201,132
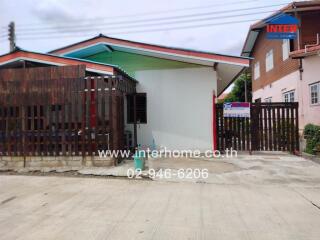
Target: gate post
254,128
297,142
214,122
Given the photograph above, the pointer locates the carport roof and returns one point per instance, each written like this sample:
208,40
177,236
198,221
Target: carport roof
91,66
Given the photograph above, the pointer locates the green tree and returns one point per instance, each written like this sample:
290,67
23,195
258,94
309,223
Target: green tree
237,93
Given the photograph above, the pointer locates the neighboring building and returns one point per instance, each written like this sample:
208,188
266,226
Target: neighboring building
278,76
222,97
175,87
309,87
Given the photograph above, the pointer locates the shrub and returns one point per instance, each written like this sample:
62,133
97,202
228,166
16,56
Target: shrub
312,134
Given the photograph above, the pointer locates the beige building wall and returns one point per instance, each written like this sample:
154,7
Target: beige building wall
311,74
276,89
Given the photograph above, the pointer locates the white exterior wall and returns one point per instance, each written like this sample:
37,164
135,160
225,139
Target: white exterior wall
179,108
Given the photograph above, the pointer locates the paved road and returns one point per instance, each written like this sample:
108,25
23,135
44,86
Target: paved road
34,207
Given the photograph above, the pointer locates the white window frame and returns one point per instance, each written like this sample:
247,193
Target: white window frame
285,49
317,86
268,99
269,60
289,96
256,70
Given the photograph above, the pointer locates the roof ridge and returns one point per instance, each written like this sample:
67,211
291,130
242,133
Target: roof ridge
149,44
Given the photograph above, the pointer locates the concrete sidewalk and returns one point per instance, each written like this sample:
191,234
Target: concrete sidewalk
262,168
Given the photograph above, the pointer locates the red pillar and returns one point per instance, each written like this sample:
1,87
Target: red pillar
214,123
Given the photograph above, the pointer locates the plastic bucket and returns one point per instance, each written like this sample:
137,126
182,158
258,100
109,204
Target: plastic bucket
139,160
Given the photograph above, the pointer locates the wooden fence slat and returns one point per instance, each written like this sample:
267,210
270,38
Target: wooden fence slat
274,139
248,134
269,129
70,121
243,139
110,113
278,129
218,128
297,126
96,119
260,127
234,133
223,124
76,127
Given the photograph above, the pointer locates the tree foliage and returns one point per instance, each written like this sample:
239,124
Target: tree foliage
237,93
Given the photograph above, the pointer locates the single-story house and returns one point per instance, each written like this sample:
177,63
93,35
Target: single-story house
174,91
175,87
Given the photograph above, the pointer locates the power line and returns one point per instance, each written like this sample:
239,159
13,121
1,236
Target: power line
152,19
4,33
139,14
144,25
146,31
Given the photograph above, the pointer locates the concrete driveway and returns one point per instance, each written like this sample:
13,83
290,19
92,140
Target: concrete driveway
268,197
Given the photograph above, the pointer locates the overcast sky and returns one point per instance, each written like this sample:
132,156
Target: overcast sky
52,15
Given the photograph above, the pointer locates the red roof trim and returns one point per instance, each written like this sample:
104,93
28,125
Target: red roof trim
307,52
151,47
54,59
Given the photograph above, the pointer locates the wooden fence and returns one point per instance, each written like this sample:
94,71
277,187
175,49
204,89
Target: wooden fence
271,127
58,111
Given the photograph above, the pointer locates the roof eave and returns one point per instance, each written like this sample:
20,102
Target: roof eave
182,53
100,68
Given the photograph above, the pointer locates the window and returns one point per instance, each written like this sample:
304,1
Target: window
269,60
291,45
288,96
315,93
269,99
141,108
256,70
285,49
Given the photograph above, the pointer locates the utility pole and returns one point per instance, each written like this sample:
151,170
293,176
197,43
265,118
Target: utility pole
12,36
